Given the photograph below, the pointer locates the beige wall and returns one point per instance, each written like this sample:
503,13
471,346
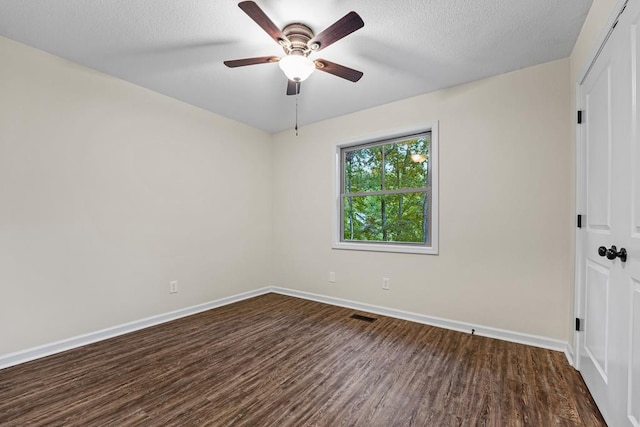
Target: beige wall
504,199
108,191
593,27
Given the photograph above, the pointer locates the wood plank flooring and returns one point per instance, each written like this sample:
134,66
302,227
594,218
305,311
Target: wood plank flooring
281,361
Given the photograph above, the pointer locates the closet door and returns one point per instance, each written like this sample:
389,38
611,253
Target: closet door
609,283
631,218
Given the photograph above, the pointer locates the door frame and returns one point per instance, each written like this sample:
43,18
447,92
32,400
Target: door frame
580,174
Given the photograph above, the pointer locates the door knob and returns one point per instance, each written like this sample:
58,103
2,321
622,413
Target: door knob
613,253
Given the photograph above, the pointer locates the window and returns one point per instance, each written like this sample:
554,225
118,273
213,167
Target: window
387,194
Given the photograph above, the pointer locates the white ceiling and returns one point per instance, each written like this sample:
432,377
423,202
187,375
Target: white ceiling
406,48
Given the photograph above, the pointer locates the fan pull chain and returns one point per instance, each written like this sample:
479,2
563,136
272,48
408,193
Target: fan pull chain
297,93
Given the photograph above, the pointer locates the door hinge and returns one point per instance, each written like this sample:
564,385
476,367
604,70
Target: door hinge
579,221
578,324
579,116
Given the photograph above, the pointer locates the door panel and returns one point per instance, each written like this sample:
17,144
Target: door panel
597,311
635,141
598,144
633,406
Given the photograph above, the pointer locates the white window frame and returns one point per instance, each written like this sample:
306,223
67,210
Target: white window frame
412,248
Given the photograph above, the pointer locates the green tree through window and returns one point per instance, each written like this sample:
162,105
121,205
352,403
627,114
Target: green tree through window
386,191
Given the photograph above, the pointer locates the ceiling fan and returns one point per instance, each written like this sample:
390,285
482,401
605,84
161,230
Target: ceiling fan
298,41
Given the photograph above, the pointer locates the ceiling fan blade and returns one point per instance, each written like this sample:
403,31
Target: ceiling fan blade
293,88
251,61
341,28
261,18
338,70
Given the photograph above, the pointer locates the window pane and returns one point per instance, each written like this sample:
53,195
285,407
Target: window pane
388,218
406,164
405,219
362,218
363,170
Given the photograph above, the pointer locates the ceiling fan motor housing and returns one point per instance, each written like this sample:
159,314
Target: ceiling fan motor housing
299,36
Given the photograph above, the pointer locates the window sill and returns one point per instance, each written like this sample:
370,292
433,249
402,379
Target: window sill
380,247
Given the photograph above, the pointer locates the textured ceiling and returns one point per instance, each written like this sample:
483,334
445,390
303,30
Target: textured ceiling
406,48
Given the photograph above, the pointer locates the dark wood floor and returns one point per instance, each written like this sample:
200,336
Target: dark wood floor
281,361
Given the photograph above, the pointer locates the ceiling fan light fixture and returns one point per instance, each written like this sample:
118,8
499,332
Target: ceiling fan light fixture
297,67
419,158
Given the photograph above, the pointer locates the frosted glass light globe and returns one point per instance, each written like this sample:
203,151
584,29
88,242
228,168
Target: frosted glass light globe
297,67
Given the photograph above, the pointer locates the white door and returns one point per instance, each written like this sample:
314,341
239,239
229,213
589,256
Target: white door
609,288
631,217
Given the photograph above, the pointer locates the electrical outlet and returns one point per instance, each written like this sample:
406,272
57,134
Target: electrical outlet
385,283
173,287
332,276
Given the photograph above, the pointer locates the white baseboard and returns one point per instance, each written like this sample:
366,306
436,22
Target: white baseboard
568,351
27,355
501,334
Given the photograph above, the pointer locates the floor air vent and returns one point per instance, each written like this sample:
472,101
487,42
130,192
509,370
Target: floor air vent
363,318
